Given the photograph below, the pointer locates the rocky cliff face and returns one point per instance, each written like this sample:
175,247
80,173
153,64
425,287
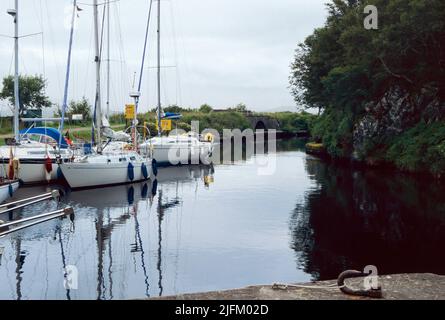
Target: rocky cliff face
397,111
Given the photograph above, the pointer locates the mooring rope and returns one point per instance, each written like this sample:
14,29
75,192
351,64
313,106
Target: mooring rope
280,286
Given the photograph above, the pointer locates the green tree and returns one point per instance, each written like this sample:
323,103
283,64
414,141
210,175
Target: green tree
205,108
348,73
31,92
241,107
82,107
174,109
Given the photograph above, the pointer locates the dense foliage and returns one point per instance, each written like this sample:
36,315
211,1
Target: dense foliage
31,92
376,88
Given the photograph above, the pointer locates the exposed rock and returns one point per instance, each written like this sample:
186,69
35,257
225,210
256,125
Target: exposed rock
395,112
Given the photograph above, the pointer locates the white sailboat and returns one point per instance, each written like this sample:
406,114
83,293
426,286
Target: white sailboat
178,149
35,161
103,168
174,149
34,158
106,169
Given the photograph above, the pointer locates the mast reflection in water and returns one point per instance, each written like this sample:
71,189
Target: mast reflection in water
202,228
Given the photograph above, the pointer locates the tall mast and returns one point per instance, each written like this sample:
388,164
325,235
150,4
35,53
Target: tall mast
67,77
108,59
159,68
16,72
97,60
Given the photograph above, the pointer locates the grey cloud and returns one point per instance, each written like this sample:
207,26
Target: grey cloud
227,51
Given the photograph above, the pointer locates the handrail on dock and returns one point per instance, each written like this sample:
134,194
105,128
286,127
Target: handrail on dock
4,227
7,207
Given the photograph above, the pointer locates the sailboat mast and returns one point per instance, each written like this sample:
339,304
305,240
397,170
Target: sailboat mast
16,72
108,59
67,76
97,61
159,68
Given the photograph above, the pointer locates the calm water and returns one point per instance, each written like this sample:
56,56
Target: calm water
222,227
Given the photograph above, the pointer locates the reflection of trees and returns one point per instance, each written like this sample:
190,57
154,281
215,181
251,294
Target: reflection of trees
354,218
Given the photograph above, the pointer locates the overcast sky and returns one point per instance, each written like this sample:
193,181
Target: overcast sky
220,52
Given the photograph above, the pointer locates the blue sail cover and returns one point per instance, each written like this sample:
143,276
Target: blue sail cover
49,132
172,116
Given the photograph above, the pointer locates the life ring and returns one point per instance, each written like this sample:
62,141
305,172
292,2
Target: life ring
209,137
128,146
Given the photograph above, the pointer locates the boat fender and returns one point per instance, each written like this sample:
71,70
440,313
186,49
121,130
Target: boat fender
11,170
154,167
144,171
144,191
14,167
59,173
130,171
10,190
154,188
48,169
10,165
48,165
130,196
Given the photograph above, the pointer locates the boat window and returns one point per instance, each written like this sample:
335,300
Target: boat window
133,158
122,159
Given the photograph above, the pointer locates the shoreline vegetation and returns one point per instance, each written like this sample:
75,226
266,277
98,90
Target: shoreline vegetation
289,122
380,93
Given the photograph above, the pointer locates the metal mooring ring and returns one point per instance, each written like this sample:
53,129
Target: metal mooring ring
372,293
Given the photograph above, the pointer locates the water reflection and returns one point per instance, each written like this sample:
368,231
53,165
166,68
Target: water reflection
354,218
134,200
202,228
110,231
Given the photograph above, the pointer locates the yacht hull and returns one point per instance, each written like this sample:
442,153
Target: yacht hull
167,155
35,173
32,161
87,175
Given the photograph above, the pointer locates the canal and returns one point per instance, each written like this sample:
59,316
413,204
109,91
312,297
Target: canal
204,228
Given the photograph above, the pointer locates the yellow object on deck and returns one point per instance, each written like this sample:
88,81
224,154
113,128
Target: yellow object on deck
129,111
166,125
209,137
